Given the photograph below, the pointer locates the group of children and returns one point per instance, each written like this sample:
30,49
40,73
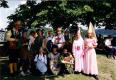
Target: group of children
54,56
51,62
83,55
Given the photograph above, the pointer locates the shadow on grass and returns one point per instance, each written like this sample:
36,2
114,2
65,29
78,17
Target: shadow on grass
4,75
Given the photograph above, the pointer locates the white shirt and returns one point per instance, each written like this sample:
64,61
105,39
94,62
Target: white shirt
58,40
49,38
108,42
31,41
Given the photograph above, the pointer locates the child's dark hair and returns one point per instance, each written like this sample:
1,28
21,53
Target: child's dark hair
54,46
65,47
32,32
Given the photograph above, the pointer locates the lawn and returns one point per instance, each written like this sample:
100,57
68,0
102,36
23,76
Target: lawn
107,71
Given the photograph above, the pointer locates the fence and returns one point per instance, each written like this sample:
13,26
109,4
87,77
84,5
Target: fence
3,48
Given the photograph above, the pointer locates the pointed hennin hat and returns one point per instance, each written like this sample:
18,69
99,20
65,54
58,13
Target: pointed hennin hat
92,30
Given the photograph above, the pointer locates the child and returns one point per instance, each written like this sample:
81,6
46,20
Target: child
66,55
41,61
78,51
66,58
54,59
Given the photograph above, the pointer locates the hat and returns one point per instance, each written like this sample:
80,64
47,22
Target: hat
92,30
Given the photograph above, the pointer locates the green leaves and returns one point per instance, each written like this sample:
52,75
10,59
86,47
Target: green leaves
4,3
64,12
88,8
107,4
42,13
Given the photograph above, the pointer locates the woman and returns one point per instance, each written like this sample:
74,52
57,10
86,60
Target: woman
78,52
90,62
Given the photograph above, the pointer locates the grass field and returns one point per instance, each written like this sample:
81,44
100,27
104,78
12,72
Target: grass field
107,71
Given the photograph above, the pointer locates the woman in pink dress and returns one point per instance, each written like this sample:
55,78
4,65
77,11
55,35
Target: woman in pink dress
90,62
77,50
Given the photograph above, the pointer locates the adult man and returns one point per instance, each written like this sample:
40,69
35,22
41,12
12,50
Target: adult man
12,37
111,49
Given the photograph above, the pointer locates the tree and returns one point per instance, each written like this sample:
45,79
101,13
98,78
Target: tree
64,12
3,3
24,12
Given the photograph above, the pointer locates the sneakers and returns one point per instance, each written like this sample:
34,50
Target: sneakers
22,73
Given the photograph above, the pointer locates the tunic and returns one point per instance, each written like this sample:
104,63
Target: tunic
78,52
58,40
11,36
90,62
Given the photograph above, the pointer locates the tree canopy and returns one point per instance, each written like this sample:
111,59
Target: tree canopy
3,3
65,12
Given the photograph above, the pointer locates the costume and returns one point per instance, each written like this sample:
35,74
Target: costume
90,61
58,40
78,52
41,62
54,63
11,36
67,62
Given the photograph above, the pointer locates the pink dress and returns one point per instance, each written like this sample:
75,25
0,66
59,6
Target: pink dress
90,62
78,54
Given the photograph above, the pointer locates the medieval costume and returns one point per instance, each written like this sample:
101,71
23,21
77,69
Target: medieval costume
78,52
67,61
59,39
54,57
12,37
90,62
41,61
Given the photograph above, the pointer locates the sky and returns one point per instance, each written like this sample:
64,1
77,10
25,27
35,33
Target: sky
4,12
